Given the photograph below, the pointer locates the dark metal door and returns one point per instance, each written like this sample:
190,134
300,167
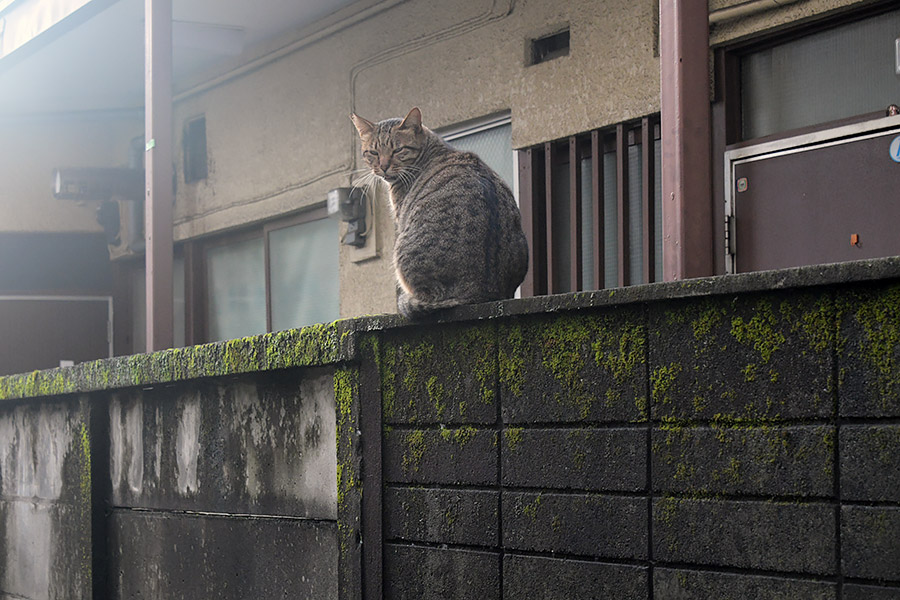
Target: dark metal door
831,200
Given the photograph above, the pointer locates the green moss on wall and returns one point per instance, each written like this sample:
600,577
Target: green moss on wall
879,316
310,346
513,437
511,360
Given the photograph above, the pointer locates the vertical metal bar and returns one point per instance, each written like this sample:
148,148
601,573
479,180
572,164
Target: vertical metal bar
686,169
622,203
597,203
575,267
648,185
158,172
548,199
529,216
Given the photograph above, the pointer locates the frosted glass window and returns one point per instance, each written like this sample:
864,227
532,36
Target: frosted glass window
493,146
139,306
823,77
610,222
635,214
587,227
236,290
304,274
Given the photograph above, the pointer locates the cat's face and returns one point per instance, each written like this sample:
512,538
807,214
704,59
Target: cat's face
391,147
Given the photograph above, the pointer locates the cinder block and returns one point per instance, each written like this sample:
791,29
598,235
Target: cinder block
442,516
441,374
869,352
581,459
569,368
253,446
540,578
751,357
870,542
415,573
582,524
185,557
786,537
868,454
462,455
730,459
870,592
681,584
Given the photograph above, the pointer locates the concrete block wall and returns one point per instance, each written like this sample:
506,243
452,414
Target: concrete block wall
725,437
717,445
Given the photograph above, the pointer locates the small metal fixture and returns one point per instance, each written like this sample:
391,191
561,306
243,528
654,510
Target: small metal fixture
897,56
350,205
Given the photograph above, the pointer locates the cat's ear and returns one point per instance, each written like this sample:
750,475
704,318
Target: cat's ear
363,126
413,120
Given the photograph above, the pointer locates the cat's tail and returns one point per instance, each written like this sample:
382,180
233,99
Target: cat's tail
414,308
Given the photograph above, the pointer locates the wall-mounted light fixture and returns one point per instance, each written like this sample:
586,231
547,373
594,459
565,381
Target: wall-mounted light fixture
350,205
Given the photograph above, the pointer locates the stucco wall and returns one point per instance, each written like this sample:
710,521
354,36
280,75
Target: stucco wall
30,148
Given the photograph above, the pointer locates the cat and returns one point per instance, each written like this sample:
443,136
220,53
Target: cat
459,232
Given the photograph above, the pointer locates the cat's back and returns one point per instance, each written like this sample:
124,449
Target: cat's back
458,201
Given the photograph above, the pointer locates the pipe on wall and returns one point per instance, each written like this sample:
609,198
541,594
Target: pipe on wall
746,9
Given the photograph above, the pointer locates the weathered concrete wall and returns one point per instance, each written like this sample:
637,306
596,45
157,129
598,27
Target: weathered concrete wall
45,500
725,437
238,476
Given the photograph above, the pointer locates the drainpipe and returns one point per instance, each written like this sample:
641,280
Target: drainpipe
746,9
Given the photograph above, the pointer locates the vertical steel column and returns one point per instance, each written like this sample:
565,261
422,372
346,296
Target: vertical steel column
158,172
552,288
686,153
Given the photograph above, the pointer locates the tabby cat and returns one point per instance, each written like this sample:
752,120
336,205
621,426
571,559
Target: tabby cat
459,231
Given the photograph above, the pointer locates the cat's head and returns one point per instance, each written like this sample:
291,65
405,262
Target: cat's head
391,147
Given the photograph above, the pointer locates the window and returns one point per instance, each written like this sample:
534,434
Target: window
491,140
236,289
280,276
194,146
591,209
827,76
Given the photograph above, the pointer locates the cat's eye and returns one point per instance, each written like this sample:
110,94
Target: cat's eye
371,153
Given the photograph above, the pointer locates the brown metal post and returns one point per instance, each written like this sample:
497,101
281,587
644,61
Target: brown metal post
686,154
158,172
